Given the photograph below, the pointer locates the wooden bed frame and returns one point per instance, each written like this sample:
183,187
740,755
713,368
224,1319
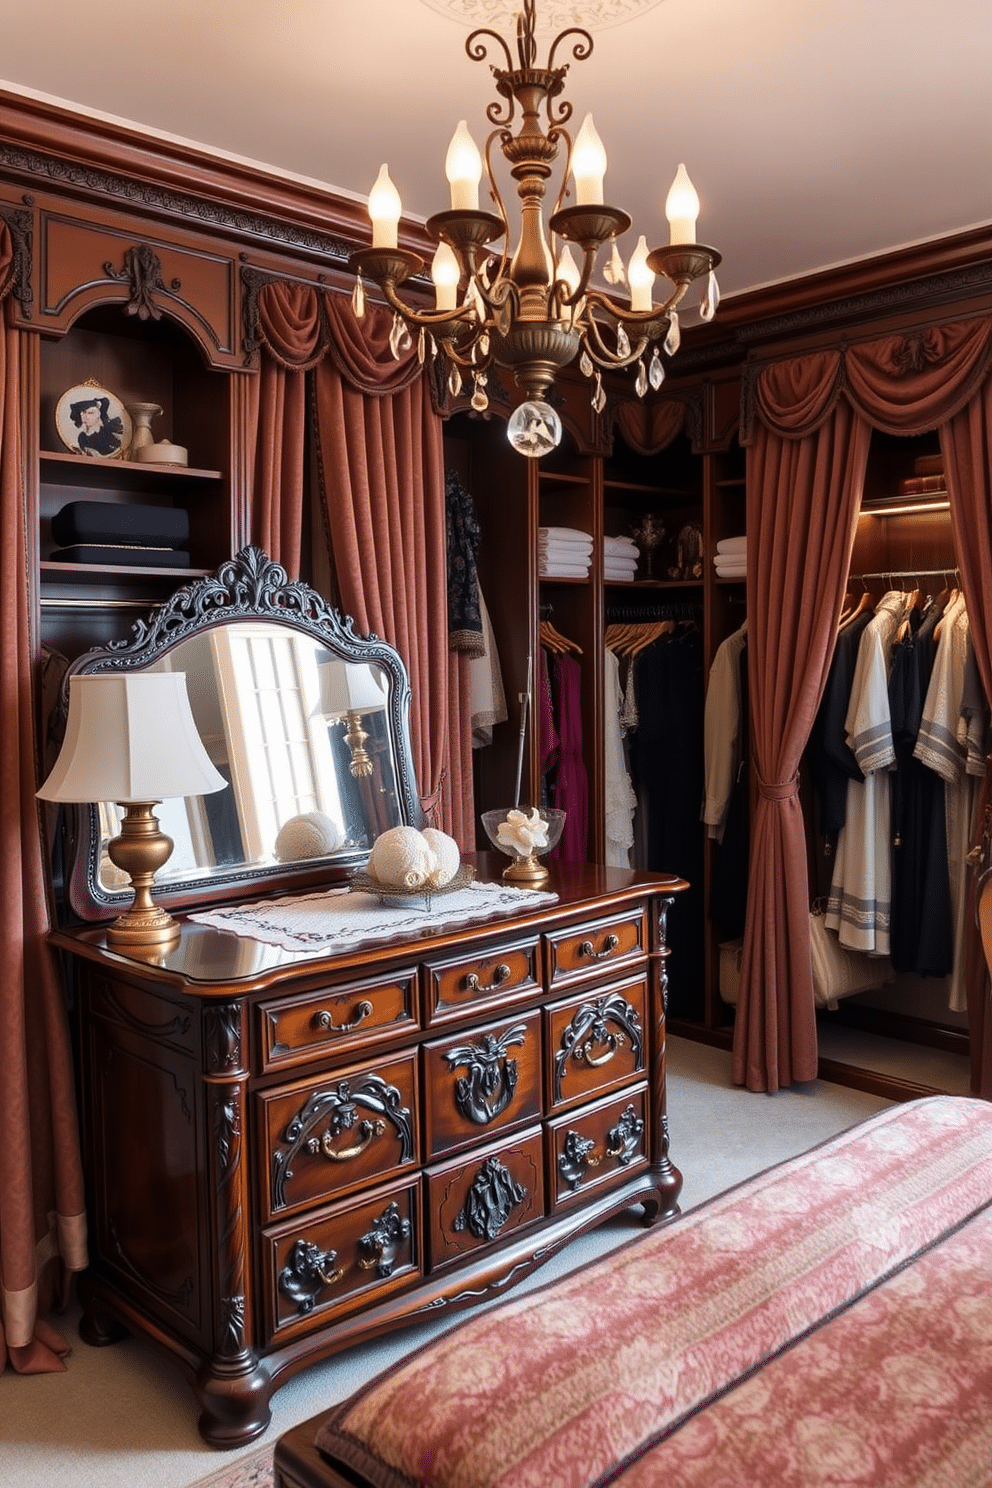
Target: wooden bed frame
828,1320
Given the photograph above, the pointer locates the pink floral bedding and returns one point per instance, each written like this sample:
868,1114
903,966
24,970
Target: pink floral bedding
828,1322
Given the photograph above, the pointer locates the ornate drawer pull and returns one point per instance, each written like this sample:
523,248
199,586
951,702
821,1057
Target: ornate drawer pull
610,1043
366,1134
500,974
325,1020
307,1272
609,946
576,1156
623,1143
379,1247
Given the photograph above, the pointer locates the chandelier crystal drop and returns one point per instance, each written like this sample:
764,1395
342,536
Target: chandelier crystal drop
534,309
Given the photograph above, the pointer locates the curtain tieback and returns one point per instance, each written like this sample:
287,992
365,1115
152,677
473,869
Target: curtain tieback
779,790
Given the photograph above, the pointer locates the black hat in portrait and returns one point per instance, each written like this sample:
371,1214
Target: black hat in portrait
99,433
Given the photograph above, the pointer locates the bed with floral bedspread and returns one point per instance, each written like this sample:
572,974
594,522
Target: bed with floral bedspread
827,1322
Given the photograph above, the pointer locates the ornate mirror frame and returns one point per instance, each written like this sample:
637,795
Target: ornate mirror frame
248,588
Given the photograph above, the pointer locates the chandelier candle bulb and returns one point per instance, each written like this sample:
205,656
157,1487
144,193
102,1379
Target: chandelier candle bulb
639,277
445,274
568,270
385,208
682,208
463,167
588,165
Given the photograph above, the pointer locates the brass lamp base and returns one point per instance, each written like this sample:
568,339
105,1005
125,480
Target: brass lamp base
529,870
140,851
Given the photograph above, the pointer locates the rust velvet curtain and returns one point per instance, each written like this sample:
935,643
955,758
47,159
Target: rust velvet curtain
803,494
382,467
380,462
42,1210
806,463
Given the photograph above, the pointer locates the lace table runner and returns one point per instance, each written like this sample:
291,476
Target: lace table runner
339,920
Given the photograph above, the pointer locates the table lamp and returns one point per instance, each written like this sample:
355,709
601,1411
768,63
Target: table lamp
349,690
130,738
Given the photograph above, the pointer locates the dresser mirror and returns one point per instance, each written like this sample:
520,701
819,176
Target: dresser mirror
306,721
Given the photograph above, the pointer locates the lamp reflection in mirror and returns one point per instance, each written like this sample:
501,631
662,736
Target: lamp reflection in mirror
131,738
348,692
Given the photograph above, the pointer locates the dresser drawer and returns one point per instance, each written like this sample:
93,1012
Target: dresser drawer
595,947
598,1144
482,1082
596,1042
484,1197
504,975
298,1030
321,1138
340,1259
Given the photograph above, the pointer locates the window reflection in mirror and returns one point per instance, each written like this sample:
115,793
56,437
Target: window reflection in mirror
303,739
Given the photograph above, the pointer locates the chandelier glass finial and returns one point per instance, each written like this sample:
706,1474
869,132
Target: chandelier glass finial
533,309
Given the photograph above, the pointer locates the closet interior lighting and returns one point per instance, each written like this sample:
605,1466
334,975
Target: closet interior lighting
906,508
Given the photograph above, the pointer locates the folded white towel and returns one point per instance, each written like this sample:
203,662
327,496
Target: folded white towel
620,545
734,572
732,545
564,570
564,534
569,552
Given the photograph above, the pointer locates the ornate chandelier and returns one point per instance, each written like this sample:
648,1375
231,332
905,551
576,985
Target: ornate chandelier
533,311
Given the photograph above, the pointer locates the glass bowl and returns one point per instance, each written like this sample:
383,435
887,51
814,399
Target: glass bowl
529,832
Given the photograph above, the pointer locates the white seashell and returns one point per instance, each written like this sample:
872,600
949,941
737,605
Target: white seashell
402,858
447,854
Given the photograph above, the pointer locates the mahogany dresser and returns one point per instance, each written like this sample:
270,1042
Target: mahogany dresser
289,1153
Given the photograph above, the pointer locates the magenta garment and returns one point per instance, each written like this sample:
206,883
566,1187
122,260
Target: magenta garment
548,734
571,790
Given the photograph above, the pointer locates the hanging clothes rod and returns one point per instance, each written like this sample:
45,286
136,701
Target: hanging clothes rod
619,614
906,573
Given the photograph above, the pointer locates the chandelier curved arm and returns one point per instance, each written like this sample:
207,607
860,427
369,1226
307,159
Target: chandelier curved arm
558,133
581,49
496,195
429,319
649,321
568,297
478,49
602,354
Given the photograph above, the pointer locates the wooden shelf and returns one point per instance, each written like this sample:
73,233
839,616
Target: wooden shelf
103,573
80,470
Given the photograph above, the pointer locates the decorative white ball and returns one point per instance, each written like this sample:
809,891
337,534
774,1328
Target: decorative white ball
402,858
312,834
447,853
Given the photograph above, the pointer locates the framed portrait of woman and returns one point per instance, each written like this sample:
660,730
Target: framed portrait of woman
92,421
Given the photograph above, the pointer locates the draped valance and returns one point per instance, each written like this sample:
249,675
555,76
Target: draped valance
649,428
299,324
905,383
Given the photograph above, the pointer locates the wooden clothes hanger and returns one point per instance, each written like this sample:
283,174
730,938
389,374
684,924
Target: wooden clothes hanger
553,640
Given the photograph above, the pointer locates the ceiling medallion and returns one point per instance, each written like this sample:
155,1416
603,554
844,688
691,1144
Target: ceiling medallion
593,15
533,310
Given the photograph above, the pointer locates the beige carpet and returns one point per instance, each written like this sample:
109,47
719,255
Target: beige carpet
123,1417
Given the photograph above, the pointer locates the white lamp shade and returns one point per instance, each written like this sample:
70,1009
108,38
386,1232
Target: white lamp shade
350,687
130,737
